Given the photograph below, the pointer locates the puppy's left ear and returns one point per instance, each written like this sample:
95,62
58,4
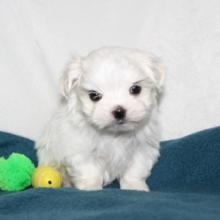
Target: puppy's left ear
152,66
158,71
71,77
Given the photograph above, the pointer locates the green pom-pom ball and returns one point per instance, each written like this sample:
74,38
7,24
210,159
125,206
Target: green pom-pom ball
15,172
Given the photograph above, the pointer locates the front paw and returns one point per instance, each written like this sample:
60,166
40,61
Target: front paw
88,185
131,184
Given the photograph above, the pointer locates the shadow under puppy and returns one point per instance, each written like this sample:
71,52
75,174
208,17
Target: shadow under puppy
106,128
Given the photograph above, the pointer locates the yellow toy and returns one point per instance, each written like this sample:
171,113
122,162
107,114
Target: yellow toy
46,177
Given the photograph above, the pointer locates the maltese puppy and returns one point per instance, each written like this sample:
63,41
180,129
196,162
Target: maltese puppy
106,127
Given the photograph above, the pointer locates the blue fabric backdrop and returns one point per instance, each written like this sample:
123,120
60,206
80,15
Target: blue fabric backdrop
185,184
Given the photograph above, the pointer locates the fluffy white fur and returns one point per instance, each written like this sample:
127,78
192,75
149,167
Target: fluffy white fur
84,141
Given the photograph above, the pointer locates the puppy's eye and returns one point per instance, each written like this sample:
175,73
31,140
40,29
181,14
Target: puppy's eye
135,90
94,96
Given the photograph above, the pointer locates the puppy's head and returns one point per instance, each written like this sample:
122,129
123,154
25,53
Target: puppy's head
116,88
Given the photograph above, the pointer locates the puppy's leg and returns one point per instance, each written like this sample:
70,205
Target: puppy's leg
84,174
135,176
66,180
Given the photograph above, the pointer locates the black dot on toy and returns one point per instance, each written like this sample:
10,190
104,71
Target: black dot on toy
50,182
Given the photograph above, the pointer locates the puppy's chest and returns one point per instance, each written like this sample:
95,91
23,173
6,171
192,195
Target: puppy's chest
115,154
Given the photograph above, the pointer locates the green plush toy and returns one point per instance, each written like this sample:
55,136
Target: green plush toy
15,172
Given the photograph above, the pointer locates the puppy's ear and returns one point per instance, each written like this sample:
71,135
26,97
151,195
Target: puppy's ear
152,66
158,71
71,77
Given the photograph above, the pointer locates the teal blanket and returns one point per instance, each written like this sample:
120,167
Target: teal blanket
185,184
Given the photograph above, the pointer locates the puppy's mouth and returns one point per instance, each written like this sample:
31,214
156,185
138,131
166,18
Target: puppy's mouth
123,124
120,122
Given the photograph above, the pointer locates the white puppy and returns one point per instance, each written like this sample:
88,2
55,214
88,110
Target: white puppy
106,127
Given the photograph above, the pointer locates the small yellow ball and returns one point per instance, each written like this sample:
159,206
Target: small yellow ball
46,177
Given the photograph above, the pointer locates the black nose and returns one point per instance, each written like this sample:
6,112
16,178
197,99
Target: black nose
119,113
